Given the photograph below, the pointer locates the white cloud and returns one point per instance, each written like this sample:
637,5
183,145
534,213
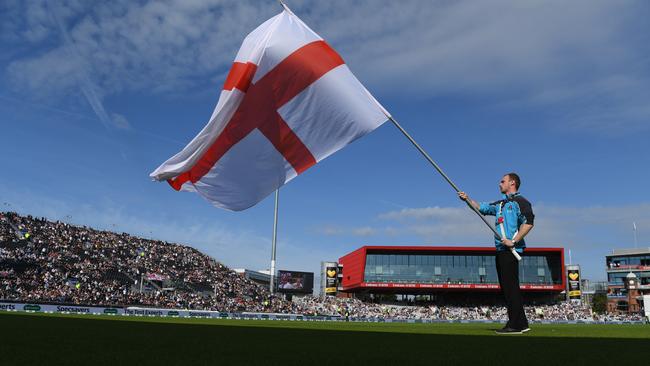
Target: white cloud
163,46
361,231
589,232
438,224
330,230
506,50
585,60
425,213
553,223
119,121
364,231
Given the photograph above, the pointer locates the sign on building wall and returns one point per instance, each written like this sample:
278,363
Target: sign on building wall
330,278
573,280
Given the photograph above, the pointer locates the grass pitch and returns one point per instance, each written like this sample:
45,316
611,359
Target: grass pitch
56,339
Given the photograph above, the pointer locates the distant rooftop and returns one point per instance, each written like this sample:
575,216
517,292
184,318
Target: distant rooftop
263,276
634,251
244,270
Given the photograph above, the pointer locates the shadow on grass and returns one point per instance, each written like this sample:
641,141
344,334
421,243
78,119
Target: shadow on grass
37,340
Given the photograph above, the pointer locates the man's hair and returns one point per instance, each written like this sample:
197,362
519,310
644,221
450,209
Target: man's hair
515,177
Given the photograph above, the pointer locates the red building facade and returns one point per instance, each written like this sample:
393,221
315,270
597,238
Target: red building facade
428,269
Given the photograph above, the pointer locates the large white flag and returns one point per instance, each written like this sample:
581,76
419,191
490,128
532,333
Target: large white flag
288,102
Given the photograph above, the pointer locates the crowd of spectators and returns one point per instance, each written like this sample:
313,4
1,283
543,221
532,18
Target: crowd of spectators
52,261
564,311
46,261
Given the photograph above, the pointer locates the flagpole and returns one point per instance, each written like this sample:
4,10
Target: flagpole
275,212
451,183
275,237
635,242
284,5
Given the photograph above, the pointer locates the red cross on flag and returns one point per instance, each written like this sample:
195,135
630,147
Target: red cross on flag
288,102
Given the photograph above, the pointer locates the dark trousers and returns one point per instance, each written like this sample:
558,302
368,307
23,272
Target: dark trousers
508,272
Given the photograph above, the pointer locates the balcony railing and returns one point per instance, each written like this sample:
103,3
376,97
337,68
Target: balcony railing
629,267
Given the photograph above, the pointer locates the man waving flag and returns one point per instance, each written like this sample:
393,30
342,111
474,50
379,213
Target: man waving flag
288,102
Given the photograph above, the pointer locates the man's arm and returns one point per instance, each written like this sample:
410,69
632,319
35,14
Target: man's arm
463,196
524,229
483,208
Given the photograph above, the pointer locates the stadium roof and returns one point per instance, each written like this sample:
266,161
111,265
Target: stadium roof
634,251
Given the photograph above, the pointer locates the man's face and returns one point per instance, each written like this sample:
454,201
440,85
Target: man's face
505,184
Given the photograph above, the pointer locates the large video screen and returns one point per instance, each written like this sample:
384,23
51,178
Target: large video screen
295,282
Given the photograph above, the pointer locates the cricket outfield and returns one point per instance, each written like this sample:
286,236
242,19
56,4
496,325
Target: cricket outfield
60,339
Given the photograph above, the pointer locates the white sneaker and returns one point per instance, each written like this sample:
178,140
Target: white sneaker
525,330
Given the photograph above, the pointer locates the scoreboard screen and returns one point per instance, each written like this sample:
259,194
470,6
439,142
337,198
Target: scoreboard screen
295,282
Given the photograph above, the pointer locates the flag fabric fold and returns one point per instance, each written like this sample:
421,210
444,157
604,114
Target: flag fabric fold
288,102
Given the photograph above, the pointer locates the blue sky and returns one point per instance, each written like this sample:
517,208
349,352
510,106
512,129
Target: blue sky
94,96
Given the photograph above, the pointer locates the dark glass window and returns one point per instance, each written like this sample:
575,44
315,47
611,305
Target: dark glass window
429,268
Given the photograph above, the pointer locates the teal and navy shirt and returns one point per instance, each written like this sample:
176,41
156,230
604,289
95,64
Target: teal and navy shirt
511,212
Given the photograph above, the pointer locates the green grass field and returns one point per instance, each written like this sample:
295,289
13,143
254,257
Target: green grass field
57,339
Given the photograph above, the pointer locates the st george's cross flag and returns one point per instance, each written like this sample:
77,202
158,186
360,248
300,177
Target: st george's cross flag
288,102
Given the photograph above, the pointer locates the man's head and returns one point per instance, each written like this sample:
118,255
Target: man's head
509,183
